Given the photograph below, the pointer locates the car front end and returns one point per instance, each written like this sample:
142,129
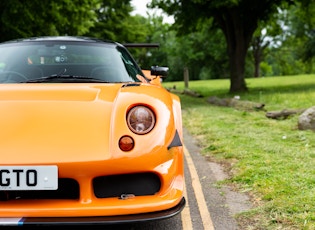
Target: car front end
89,152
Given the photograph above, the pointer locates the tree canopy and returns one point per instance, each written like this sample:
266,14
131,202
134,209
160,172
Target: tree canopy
25,18
238,19
232,39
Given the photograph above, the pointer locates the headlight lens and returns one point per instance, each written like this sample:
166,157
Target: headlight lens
140,119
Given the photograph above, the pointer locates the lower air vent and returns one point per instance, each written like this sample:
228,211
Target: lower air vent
139,184
67,189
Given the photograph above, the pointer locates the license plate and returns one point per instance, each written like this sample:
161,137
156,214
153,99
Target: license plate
29,177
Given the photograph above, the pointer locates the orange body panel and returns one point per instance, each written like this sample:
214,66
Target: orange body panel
77,127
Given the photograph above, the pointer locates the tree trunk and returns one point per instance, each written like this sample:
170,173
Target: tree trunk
257,66
257,55
256,44
237,49
238,34
284,114
259,45
237,67
186,77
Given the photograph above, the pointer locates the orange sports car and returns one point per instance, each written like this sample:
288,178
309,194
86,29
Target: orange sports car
86,137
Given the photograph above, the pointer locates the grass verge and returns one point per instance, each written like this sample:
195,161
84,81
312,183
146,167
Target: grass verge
269,159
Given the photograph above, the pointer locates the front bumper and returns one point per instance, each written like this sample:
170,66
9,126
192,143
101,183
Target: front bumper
85,201
106,220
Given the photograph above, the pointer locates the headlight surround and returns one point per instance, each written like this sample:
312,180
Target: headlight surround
140,119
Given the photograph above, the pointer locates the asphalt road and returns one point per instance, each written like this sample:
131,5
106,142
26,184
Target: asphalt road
208,206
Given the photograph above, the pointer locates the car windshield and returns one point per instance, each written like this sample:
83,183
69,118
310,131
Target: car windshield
66,61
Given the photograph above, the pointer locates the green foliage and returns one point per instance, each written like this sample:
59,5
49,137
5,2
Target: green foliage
238,20
295,53
114,22
157,32
203,52
266,70
71,17
199,40
151,30
309,34
38,18
309,50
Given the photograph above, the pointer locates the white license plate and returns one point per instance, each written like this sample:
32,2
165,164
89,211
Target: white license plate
29,177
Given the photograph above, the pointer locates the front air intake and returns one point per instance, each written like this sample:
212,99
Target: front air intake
139,184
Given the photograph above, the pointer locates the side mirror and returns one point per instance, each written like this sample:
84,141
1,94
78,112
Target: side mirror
159,71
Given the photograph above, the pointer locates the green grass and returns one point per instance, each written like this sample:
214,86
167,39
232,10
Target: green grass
271,160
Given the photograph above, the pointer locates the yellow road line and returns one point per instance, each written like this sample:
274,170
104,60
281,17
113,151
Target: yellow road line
185,214
202,206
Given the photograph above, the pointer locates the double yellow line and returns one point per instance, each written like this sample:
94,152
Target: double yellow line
201,202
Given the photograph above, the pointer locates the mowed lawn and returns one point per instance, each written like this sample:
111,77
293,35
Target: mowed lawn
271,160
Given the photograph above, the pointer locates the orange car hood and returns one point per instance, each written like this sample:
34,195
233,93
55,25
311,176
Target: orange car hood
46,122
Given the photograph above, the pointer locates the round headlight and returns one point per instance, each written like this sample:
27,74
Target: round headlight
140,120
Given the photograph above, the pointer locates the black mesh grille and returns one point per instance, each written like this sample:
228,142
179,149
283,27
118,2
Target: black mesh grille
139,184
67,189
